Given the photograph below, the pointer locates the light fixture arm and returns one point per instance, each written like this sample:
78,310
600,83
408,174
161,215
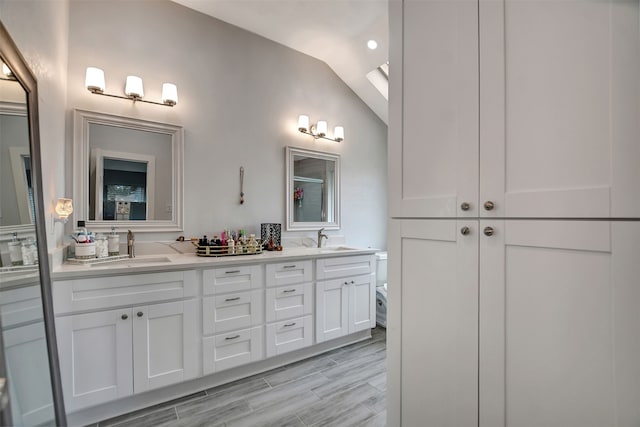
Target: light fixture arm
133,98
316,136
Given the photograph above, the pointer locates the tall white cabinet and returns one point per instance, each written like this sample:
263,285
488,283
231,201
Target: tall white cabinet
513,150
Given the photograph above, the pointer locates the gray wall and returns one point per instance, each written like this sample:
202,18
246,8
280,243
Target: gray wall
14,132
240,96
239,99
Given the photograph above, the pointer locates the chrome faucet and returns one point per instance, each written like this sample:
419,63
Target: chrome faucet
131,239
320,236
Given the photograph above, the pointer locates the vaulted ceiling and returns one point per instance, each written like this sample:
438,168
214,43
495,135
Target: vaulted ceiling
333,31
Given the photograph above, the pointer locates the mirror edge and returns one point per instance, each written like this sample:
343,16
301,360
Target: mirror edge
14,60
310,226
81,121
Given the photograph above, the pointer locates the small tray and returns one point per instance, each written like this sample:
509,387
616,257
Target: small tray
102,260
220,251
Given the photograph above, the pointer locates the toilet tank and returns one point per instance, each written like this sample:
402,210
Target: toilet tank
381,268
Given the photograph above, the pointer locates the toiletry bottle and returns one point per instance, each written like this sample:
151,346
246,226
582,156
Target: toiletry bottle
15,250
114,243
252,246
231,249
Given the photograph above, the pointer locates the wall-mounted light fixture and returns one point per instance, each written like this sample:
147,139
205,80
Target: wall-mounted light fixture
319,130
64,208
134,90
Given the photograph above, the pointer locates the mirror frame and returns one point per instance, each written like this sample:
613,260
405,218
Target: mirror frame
292,225
82,119
13,58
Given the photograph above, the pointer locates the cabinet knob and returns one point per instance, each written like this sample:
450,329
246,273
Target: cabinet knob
465,231
489,205
488,231
124,317
139,314
465,206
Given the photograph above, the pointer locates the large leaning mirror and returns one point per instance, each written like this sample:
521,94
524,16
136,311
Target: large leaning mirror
127,172
30,388
313,190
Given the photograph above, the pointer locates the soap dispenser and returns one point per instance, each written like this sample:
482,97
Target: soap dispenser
113,243
15,250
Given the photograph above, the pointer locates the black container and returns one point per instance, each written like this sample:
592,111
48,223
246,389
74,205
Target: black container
271,232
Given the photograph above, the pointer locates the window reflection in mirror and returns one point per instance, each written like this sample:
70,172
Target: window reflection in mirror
313,189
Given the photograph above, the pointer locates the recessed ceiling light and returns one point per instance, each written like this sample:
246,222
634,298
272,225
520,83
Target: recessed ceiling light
372,44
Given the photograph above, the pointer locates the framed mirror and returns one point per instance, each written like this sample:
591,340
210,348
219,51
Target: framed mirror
313,190
127,172
32,392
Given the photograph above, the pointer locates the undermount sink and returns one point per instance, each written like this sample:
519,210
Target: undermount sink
133,261
336,249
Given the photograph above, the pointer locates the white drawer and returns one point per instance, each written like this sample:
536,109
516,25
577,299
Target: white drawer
285,302
20,305
112,291
232,349
288,273
228,312
289,335
231,279
331,268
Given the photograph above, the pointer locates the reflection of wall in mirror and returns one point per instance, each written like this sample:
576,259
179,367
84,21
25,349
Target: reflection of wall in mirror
14,137
113,138
316,178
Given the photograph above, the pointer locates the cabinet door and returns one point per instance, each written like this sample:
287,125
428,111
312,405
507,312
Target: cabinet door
559,324
165,344
232,311
95,357
28,373
289,301
362,306
433,139
560,101
332,309
433,323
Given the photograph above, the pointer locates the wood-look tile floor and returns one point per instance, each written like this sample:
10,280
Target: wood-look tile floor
345,387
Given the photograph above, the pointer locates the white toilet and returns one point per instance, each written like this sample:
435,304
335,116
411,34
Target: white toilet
381,289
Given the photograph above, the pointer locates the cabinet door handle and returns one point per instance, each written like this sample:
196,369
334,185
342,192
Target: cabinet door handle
465,231
489,205
352,282
465,206
139,314
289,266
233,337
288,290
124,317
232,299
287,325
488,231
232,272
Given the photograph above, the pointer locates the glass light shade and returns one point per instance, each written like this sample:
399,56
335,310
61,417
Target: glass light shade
338,133
64,208
94,80
303,123
133,88
321,128
169,94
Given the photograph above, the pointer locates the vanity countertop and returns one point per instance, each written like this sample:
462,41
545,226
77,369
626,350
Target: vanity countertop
174,262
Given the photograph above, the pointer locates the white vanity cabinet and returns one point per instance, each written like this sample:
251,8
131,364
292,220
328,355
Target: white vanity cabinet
345,296
26,354
108,353
289,306
232,317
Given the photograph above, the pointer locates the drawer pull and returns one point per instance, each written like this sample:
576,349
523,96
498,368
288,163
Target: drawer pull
139,314
232,299
289,266
352,282
233,337
124,317
288,290
287,325
232,272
